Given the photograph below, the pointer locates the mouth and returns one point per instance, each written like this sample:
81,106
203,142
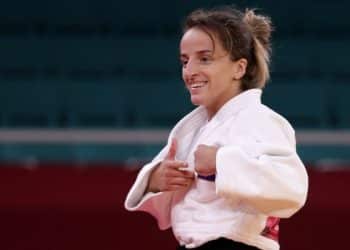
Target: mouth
197,85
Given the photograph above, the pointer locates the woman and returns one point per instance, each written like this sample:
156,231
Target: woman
230,169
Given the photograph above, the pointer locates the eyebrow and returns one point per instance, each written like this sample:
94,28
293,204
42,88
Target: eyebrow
199,52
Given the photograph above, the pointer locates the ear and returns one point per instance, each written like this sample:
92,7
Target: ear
240,67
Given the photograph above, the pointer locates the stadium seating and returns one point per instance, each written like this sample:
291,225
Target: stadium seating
30,104
113,65
110,57
302,102
98,57
106,64
159,103
72,75
318,58
125,102
340,104
94,104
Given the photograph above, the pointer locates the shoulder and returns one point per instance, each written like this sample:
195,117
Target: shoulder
266,124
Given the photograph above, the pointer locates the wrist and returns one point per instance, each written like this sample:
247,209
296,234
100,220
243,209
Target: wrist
152,181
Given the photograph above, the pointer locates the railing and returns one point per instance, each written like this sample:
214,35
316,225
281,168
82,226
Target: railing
85,145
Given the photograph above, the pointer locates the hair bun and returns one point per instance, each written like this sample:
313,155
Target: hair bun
260,27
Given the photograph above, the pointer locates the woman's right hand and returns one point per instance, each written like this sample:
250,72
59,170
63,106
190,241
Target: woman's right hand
170,174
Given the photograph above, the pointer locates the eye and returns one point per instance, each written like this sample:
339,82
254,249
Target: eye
205,59
183,62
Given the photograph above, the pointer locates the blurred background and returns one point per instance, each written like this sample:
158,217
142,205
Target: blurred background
90,89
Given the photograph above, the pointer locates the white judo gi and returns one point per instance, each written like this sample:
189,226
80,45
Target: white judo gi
258,176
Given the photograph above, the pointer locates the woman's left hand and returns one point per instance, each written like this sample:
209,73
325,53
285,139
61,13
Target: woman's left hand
205,160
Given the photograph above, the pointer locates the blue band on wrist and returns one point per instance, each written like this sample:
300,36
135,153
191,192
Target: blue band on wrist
207,178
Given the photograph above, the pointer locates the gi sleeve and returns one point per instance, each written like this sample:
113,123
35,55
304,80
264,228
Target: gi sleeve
156,204
260,169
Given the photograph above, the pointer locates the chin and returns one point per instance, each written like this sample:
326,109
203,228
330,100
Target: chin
196,101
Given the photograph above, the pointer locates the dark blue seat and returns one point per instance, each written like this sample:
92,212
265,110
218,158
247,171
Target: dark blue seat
159,103
90,58
94,104
30,103
340,92
303,102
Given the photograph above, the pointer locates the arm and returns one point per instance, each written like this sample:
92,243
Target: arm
261,171
156,204
153,189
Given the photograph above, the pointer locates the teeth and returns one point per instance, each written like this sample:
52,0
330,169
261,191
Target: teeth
197,85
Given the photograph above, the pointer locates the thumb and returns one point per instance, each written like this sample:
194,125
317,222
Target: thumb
172,150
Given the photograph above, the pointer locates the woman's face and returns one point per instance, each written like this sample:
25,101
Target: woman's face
207,70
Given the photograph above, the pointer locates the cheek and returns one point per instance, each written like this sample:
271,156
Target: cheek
223,79
183,76
217,87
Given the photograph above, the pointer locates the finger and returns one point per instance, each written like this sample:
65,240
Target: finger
179,181
179,185
187,173
172,150
172,164
177,168
184,176
185,167
175,172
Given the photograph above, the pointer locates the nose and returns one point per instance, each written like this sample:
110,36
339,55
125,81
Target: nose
191,69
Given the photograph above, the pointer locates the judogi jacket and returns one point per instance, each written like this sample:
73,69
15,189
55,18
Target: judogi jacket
259,176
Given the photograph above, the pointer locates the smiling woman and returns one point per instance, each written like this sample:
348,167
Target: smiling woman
230,169
210,75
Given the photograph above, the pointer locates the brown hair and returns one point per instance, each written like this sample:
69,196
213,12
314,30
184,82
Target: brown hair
242,34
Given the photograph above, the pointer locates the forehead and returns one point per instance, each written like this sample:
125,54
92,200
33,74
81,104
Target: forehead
195,40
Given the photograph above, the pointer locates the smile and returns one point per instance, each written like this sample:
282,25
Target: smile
198,85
